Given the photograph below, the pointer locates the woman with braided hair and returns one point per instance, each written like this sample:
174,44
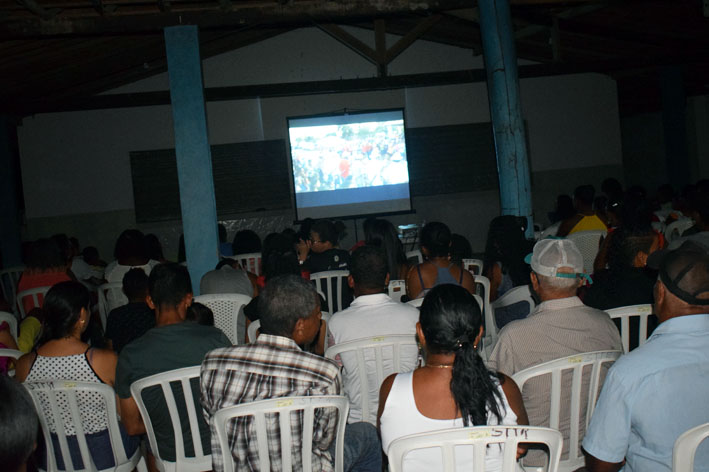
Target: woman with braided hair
454,388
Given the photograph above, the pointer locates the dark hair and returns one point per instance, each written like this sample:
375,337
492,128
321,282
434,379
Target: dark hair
564,207
436,237
65,246
45,254
451,320
246,242
460,248
585,194
18,424
200,314
327,231
612,188
279,257
625,244
368,268
381,233
168,284
90,253
285,300
62,309
135,283
507,244
154,247
131,244
222,233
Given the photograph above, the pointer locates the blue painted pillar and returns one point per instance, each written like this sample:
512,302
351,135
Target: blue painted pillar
10,222
194,163
507,124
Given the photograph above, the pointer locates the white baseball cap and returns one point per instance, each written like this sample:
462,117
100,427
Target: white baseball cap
550,255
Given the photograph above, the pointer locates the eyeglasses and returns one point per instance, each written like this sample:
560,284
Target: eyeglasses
314,241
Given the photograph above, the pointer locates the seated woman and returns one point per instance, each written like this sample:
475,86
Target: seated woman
437,269
381,233
62,355
454,388
320,252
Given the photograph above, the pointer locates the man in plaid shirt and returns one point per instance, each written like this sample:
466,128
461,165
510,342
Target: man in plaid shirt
275,366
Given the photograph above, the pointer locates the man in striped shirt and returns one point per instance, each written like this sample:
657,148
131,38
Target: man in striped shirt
275,366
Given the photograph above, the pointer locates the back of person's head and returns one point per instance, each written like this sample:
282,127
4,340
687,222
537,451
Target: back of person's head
169,284
75,246
436,238
460,248
584,195
65,246
222,233
381,233
285,300
612,188
326,230
154,247
304,230
62,309
131,244
626,243
368,268
508,246
45,254
90,255
200,314
246,242
367,226
451,320
291,234
636,213
665,193
135,284
281,258
685,274
18,425
564,207
558,265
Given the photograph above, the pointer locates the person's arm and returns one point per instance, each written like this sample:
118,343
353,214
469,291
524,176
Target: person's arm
597,465
130,416
6,338
468,281
29,330
514,398
103,362
494,273
413,284
567,225
383,395
23,366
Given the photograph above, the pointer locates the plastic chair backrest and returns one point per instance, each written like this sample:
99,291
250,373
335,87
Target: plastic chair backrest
163,380
416,302
374,349
415,254
283,406
675,229
588,243
13,354
624,314
107,292
479,437
686,446
65,392
250,262
34,294
474,266
8,283
397,289
11,321
550,230
482,287
576,364
323,283
228,309
515,295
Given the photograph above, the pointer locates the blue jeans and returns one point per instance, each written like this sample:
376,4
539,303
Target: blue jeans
363,450
99,445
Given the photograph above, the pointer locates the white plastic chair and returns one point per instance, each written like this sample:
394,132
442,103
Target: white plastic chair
588,243
283,406
579,400
56,393
482,286
624,314
415,254
110,296
228,309
686,446
250,262
474,266
34,294
324,282
8,283
416,302
675,229
397,289
367,356
184,376
479,438
11,321
515,295
12,353
549,230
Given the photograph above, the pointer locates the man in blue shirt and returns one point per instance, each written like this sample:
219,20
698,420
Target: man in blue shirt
659,390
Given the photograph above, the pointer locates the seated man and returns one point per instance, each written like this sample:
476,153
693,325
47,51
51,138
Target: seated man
173,343
228,277
131,321
558,327
586,218
659,390
275,366
372,313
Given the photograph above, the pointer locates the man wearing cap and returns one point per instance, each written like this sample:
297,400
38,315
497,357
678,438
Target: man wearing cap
560,326
661,389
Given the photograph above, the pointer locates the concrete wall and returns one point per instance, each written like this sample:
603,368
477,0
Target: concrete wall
76,170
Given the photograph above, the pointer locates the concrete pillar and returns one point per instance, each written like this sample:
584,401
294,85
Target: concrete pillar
507,124
10,217
194,163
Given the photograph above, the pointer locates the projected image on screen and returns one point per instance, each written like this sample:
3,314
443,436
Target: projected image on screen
351,164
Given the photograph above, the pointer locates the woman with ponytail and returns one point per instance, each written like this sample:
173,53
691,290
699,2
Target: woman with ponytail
62,355
454,388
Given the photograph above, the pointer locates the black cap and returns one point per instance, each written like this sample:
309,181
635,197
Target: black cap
685,272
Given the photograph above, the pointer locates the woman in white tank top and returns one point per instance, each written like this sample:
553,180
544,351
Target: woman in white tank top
454,389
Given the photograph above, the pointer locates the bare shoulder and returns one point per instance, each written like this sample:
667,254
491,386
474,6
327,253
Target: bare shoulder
23,366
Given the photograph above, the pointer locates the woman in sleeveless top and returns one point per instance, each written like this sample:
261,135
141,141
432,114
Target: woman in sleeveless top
453,389
63,355
437,269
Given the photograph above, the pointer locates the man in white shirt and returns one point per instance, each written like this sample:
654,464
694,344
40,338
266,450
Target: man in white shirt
373,313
